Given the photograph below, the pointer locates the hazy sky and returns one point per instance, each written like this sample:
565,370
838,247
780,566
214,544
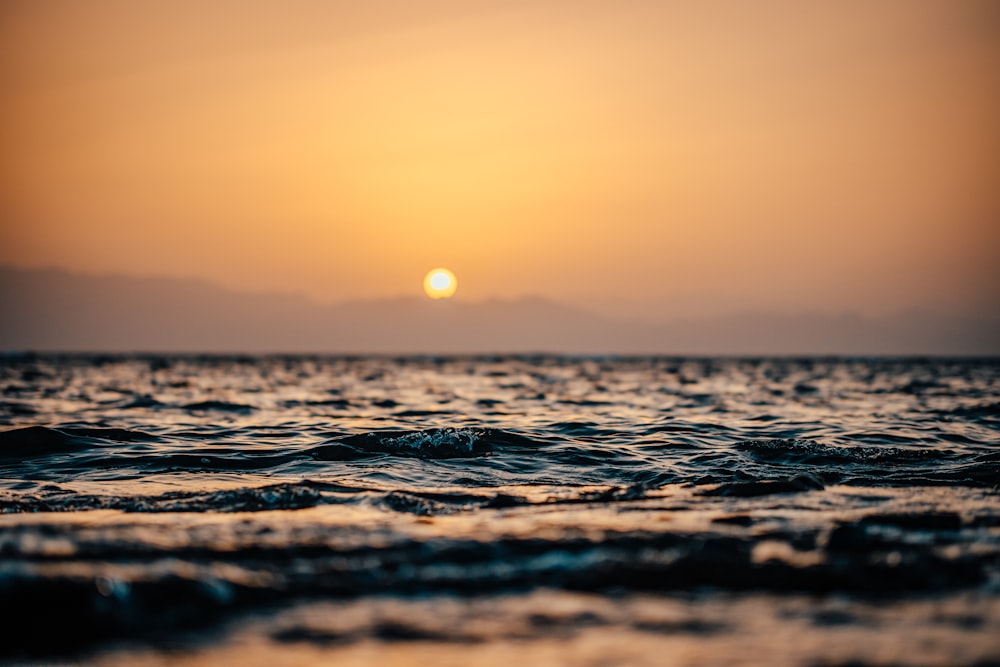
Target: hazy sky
791,155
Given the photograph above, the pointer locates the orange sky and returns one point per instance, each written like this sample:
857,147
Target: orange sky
788,155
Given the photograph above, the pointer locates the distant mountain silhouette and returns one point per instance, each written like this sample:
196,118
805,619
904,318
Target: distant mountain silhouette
54,310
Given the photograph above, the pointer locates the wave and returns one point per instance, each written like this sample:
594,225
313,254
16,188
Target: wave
493,457
298,495
818,454
437,443
176,579
42,441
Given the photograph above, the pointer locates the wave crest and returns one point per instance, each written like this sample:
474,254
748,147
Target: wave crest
436,443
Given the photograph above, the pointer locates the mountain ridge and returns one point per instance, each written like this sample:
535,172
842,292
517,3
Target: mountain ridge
57,310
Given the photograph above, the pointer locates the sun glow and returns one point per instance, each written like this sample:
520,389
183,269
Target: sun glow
440,284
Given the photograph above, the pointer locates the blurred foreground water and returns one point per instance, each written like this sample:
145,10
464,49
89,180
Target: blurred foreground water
573,511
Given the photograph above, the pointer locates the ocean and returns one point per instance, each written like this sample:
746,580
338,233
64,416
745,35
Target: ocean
552,510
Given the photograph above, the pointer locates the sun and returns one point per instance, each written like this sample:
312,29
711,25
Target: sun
440,284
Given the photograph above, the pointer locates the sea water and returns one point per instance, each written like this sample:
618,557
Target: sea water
480,510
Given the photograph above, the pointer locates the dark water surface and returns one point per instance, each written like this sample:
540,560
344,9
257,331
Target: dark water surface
272,510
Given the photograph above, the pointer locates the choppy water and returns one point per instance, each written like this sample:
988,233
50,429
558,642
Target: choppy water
273,510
